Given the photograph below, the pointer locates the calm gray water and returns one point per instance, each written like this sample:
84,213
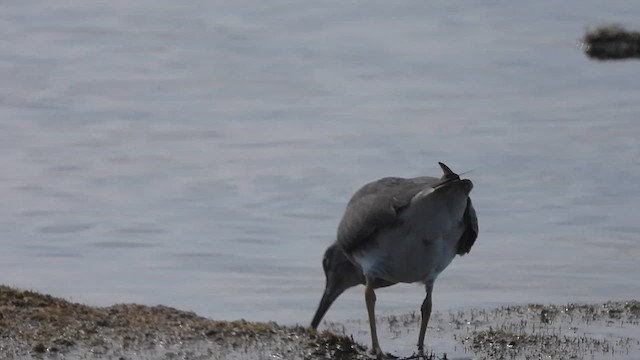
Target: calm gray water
199,154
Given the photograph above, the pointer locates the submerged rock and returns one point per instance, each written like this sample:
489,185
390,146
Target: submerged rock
611,42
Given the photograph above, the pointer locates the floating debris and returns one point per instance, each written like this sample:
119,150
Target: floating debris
611,42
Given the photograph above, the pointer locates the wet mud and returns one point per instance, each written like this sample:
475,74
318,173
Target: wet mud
37,326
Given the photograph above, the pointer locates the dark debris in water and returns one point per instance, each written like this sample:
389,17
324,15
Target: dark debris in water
611,42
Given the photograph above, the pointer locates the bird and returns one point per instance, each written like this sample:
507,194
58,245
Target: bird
399,230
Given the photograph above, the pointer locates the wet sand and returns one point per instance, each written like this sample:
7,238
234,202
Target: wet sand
37,326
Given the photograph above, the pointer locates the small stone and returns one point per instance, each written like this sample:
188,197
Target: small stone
40,348
63,342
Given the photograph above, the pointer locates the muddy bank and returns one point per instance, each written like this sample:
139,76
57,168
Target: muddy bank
37,326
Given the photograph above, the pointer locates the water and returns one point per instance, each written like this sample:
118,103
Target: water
200,154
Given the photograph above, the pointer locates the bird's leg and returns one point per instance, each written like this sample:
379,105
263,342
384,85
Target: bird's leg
426,314
370,299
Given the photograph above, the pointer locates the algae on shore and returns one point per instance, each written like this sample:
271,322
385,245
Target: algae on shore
575,331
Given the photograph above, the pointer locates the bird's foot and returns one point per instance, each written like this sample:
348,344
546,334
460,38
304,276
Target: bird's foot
380,355
420,355
387,356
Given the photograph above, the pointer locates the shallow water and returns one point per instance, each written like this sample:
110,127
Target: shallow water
200,154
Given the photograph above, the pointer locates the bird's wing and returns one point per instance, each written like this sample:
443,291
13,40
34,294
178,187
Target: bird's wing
376,206
470,233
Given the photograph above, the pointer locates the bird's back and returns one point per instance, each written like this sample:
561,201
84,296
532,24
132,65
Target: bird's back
376,205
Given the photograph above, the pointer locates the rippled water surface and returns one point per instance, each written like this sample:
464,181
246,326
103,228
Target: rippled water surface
199,154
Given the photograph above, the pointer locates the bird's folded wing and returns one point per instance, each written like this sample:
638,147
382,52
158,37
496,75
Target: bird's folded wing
375,206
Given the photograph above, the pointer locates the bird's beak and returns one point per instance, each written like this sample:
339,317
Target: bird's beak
329,296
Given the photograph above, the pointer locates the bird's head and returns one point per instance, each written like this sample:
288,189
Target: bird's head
340,274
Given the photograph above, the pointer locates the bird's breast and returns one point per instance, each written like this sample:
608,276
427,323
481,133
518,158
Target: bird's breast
409,254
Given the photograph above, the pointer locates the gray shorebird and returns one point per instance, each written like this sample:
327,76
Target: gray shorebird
398,230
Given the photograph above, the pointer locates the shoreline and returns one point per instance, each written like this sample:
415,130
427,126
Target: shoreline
40,326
